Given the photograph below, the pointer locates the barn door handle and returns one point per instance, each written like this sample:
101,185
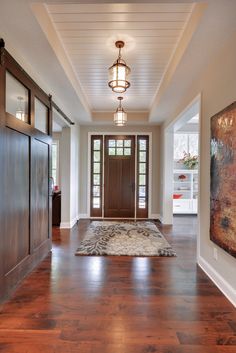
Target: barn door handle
133,186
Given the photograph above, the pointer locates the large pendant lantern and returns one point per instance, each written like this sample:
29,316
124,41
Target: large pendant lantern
120,116
119,72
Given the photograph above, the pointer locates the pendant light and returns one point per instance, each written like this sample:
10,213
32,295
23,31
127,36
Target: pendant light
119,72
20,114
120,116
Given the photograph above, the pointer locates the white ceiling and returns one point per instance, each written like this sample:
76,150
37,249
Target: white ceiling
88,33
32,39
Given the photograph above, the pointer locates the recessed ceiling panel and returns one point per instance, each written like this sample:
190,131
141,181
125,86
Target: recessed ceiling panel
150,31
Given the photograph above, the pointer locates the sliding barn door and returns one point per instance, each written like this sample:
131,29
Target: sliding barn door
25,204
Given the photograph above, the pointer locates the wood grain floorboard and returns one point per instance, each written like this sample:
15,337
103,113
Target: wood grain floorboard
72,304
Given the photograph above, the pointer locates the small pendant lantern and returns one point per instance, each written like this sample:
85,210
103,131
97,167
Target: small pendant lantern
119,72
120,116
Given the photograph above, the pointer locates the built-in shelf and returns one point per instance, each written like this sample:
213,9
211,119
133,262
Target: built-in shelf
187,202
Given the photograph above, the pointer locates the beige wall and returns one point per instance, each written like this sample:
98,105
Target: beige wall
84,130
217,85
69,174
56,136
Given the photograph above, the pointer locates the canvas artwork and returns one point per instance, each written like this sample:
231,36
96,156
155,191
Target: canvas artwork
223,179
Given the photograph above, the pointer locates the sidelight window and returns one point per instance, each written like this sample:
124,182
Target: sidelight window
142,176
96,176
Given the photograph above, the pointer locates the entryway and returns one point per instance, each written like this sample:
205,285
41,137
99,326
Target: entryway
119,177
119,186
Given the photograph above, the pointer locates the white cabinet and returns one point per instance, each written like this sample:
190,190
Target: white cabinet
185,191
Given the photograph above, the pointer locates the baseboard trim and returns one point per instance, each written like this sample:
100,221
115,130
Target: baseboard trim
86,216
68,225
83,216
161,219
155,216
219,281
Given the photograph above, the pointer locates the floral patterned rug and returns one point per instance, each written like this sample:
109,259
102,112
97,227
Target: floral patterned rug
124,238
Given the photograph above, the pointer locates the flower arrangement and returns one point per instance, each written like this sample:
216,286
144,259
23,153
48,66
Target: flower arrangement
189,161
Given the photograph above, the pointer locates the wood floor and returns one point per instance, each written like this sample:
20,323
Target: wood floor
85,304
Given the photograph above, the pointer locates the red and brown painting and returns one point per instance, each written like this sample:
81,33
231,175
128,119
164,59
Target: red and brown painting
223,179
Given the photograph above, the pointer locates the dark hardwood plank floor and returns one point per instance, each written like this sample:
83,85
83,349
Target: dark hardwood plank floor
72,304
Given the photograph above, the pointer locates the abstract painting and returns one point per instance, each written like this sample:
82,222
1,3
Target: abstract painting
223,179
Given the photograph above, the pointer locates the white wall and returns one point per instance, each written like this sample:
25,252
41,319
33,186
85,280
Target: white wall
56,136
217,84
65,162
69,161
74,177
84,130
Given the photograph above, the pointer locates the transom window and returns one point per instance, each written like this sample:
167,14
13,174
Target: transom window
119,147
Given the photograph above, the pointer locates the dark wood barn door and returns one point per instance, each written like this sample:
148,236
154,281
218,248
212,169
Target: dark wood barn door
25,203
119,177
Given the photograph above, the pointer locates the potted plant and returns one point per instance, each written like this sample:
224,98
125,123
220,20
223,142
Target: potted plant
189,161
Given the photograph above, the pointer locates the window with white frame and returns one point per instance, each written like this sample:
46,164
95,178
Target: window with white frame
185,142
55,162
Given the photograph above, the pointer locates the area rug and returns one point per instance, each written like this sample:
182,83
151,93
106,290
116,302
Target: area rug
124,238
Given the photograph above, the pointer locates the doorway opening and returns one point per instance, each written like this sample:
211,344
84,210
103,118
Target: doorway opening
119,176
172,178
180,180
58,172
185,167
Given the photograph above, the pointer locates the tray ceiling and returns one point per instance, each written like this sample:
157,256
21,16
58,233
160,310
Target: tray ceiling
151,33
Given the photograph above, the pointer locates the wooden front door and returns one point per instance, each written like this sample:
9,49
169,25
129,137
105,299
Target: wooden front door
119,177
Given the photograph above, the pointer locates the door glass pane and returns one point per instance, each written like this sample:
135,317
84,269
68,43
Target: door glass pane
111,143
96,191
142,168
119,151
141,203
127,143
96,202
142,191
127,151
96,167
40,116
17,98
112,151
96,145
142,156
119,143
142,179
142,145
96,179
96,156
